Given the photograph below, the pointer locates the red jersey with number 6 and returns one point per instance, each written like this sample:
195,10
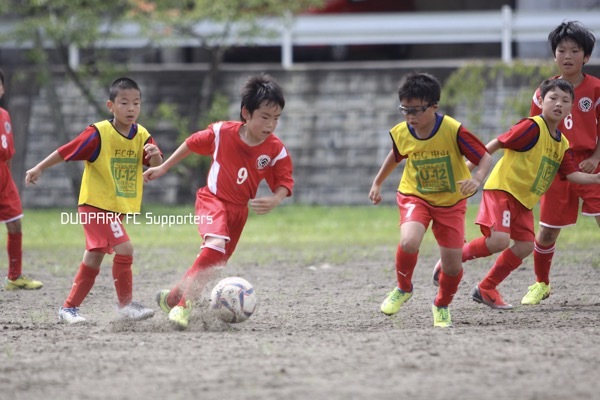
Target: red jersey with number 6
581,127
237,168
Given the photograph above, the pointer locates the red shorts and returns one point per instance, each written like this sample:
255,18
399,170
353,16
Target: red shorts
10,202
220,219
103,229
501,211
564,196
448,225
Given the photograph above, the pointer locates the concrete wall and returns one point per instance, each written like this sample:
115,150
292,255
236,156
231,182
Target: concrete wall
335,126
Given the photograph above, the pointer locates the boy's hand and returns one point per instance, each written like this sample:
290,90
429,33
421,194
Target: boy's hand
153,173
263,205
469,186
151,150
32,176
375,194
588,165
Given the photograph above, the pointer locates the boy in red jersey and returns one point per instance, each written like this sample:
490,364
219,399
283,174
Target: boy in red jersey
534,152
114,152
11,211
572,45
243,154
434,189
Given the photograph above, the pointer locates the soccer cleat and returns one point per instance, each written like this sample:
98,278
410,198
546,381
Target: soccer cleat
537,292
22,282
397,297
180,316
161,300
135,311
490,298
441,316
70,315
436,273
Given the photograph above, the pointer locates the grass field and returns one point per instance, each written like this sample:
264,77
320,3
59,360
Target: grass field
338,234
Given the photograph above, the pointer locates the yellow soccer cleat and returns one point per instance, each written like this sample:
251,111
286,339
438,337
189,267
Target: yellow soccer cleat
22,282
441,316
537,292
391,305
180,316
161,300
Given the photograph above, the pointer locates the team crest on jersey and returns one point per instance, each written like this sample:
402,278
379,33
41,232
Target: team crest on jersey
7,127
263,161
585,104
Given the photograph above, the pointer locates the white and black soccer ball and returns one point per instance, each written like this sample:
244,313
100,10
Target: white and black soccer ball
233,300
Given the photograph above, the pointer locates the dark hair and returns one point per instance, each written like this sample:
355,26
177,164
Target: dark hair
551,84
420,85
260,90
122,84
575,31
2,77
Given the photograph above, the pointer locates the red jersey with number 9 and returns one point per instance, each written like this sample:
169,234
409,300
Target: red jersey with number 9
237,168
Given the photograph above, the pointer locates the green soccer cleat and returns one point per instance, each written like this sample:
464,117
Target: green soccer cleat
180,316
22,282
537,292
441,316
391,305
161,300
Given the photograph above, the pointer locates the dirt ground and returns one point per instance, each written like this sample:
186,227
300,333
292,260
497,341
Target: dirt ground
317,334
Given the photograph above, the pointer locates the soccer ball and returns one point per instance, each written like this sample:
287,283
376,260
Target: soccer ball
233,300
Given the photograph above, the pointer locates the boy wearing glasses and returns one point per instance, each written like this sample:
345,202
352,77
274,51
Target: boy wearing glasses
433,189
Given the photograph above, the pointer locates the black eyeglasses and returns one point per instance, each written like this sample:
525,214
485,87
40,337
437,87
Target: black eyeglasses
414,110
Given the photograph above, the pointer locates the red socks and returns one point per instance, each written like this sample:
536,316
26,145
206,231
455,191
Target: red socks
405,266
506,262
84,280
542,261
476,248
122,276
209,257
14,246
448,288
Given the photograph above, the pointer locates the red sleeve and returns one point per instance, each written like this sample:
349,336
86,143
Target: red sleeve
470,145
85,146
202,142
397,156
521,137
567,166
281,174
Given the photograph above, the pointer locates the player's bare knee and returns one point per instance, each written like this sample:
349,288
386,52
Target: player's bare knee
546,236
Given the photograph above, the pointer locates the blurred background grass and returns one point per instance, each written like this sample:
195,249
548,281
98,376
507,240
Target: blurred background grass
292,233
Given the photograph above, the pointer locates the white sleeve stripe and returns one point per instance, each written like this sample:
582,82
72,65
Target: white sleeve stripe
214,169
282,154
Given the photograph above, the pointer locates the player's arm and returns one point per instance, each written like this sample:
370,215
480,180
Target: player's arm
568,169
263,205
156,172
389,164
590,164
32,175
477,155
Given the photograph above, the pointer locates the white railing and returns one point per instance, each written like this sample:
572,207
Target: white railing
504,26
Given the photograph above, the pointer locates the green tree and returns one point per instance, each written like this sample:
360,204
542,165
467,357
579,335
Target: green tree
49,29
467,85
214,26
